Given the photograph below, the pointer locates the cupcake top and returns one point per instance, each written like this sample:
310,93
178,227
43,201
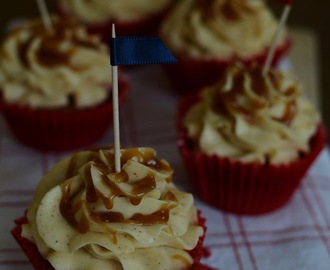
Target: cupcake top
252,117
99,11
86,216
222,29
58,68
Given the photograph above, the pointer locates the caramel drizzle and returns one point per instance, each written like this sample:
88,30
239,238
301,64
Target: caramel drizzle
228,101
230,9
183,260
69,209
50,53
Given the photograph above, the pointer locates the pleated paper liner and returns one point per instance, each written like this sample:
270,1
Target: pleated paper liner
39,263
61,129
243,188
190,74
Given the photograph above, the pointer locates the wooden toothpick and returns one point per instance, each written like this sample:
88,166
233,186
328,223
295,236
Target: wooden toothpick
114,72
44,15
280,27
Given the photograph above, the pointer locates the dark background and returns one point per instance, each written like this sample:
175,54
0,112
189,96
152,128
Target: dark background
311,14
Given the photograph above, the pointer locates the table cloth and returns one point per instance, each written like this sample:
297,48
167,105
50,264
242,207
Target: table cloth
297,236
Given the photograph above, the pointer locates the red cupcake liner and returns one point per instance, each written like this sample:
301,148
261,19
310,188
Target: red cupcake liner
39,263
147,25
189,75
29,248
243,188
61,129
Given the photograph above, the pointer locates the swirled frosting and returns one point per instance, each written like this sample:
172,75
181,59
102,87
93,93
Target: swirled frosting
86,216
223,29
98,11
252,117
61,67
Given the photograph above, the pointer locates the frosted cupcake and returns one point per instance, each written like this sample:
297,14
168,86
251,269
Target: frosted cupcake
207,36
86,216
55,85
131,17
249,139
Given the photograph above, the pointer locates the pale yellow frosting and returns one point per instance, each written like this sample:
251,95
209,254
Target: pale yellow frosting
86,216
252,117
221,29
98,11
58,68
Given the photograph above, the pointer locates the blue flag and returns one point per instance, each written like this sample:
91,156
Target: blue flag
139,50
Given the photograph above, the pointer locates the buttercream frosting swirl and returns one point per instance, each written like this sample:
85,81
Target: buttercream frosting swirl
57,68
86,216
99,11
252,117
223,29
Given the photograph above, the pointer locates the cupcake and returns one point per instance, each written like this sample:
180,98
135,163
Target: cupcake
207,36
55,85
84,215
130,16
248,140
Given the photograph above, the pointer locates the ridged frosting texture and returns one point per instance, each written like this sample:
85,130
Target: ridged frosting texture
58,68
252,117
223,29
86,216
98,11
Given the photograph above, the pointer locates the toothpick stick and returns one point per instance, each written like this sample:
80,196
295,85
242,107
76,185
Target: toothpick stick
44,15
270,56
114,72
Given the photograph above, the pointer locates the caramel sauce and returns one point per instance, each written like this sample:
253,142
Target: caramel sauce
22,52
289,113
230,9
91,194
228,101
169,196
66,207
159,217
144,186
183,259
139,189
50,53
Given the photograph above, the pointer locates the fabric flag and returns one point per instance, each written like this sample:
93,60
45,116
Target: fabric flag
285,2
139,50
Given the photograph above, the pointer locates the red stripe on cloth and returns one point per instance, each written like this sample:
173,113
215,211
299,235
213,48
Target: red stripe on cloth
16,204
233,244
310,210
10,250
274,242
247,243
16,192
269,232
14,262
319,201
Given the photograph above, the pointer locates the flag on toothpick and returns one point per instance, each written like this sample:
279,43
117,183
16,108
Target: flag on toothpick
132,51
280,27
139,50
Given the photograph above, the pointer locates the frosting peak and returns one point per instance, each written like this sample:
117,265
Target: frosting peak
60,67
248,91
100,11
229,9
124,220
220,29
253,117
